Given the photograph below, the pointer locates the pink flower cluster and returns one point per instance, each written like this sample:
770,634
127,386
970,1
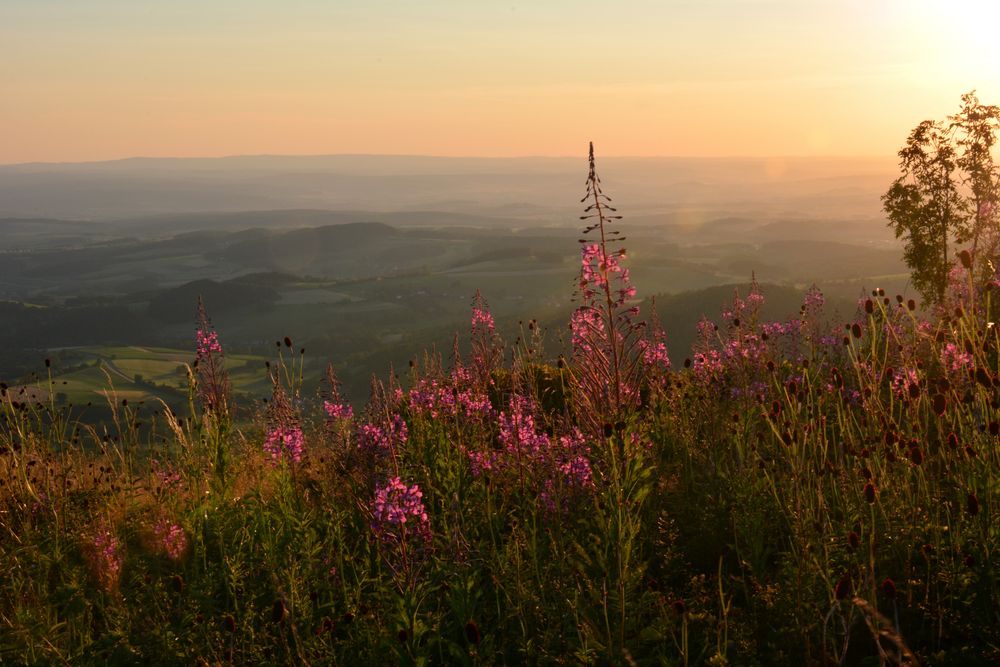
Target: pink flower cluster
955,359
285,442
171,539
555,468
482,319
814,300
574,464
481,462
383,440
587,328
105,557
789,328
596,269
453,398
166,475
708,363
517,429
208,343
338,410
902,380
397,508
655,356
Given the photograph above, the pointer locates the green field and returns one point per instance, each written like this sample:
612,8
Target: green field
141,373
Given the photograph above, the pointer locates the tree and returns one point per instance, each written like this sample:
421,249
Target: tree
946,195
976,126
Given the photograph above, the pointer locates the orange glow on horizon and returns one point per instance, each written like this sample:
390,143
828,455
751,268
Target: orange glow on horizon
716,78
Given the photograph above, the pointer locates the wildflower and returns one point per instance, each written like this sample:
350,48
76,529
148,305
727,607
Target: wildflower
171,539
605,333
869,492
338,410
483,318
577,472
517,429
487,351
956,360
383,440
905,383
207,343
285,441
167,477
814,299
213,381
755,298
480,462
398,511
104,554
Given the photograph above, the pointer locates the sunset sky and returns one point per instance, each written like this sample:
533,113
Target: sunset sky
104,79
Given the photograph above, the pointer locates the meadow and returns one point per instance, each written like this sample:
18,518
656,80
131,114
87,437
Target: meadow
820,489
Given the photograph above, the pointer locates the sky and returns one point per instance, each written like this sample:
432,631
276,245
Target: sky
84,80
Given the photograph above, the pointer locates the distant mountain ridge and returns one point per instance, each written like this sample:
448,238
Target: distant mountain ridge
533,187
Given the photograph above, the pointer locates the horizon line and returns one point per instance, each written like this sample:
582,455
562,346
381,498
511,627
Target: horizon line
582,156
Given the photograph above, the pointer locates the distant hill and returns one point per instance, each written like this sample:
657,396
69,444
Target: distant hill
177,304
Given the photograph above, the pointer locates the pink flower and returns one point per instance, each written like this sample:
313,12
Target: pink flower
208,343
376,439
483,318
104,556
171,539
338,410
955,359
398,511
285,442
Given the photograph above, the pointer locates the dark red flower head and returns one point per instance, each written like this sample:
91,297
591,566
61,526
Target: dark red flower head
870,493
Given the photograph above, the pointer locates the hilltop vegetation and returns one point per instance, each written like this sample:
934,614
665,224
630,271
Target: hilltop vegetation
816,488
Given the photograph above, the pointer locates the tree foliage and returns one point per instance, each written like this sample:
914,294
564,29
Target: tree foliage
946,195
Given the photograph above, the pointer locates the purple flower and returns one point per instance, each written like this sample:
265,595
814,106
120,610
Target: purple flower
171,539
655,356
285,442
398,512
480,462
104,555
338,410
517,429
484,319
166,476
207,343
814,299
383,440
955,359
213,381
903,379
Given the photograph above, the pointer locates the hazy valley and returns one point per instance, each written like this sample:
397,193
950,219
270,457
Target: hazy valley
385,259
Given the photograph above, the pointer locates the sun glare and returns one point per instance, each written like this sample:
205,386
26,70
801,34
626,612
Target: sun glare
963,33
